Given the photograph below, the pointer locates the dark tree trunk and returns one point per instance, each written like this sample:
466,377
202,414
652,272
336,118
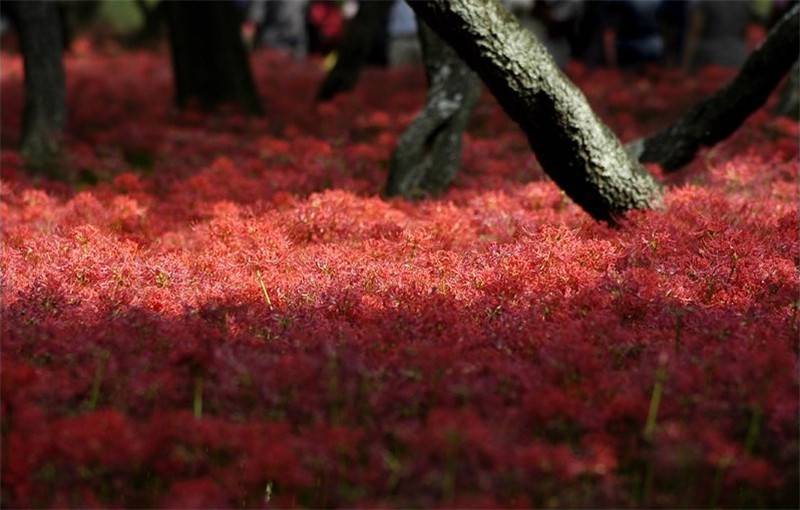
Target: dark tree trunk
717,117
573,146
428,153
75,16
209,60
789,103
45,114
152,23
360,36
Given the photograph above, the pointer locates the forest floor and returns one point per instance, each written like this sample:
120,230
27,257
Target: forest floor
225,312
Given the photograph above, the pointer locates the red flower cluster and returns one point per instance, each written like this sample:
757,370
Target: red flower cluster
226,313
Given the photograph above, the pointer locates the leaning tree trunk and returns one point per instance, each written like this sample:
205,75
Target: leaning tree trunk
717,117
428,153
789,103
573,146
209,59
45,112
359,37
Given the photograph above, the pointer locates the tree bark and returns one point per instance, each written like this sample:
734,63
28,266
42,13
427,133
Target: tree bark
716,118
573,146
45,113
209,60
428,153
360,36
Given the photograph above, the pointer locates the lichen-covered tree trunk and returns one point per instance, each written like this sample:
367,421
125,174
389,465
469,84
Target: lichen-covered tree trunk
209,60
716,118
428,153
45,114
789,103
573,146
359,38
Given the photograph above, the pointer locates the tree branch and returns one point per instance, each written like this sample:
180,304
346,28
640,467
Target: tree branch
714,119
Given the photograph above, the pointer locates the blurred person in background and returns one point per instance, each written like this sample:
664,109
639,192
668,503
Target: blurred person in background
717,33
673,18
281,24
624,33
324,26
632,34
556,25
587,42
404,45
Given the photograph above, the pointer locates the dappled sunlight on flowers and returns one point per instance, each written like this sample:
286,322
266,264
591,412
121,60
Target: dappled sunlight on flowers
225,312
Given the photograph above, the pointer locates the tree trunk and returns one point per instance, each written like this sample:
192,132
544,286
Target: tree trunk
209,60
152,24
360,36
75,17
717,117
573,146
428,153
45,114
789,103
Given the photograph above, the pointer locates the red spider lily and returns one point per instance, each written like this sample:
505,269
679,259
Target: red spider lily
227,313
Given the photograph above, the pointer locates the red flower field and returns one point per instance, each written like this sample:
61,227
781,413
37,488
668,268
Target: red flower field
226,313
